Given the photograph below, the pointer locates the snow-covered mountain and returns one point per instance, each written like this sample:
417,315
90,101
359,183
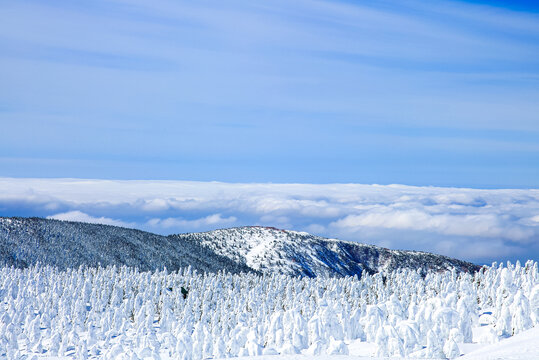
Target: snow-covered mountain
64,244
269,250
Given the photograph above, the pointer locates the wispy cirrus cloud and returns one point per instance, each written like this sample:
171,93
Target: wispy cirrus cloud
314,89
474,224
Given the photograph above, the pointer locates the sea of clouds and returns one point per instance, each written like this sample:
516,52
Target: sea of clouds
472,224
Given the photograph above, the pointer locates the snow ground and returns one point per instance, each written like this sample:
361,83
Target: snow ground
320,357
523,346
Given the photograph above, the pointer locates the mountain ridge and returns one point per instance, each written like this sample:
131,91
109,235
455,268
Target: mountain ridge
269,249
259,249
69,244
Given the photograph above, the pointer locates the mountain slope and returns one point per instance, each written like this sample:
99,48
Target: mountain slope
296,253
26,241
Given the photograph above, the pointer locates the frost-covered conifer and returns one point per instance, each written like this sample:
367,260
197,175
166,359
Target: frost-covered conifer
503,324
381,341
375,319
316,348
61,312
434,345
451,349
534,303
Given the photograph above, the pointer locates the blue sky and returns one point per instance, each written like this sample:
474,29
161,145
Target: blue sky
440,93
257,94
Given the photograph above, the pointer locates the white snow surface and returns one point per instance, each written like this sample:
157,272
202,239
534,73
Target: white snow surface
523,346
519,347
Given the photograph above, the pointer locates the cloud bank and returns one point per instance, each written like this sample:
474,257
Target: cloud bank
473,224
82,217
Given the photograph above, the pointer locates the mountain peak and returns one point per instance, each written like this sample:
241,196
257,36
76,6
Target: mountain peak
269,249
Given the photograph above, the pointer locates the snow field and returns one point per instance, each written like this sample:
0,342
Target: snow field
121,313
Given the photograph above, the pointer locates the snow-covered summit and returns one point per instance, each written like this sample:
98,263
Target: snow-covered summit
269,249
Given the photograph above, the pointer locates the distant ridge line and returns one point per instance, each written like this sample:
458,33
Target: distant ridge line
256,249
